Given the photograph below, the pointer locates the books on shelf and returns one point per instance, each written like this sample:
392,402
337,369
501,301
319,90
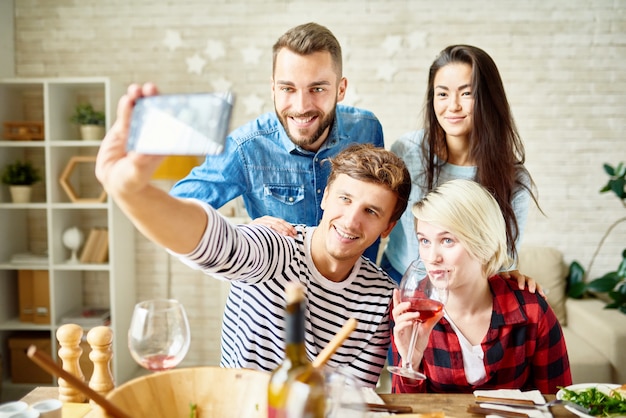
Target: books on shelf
96,248
34,296
88,317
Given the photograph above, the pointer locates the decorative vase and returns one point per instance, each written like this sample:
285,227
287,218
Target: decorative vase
20,194
73,238
91,132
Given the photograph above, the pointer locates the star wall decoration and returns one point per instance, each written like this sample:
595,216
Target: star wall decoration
253,104
392,44
386,71
251,55
221,85
214,49
195,64
172,40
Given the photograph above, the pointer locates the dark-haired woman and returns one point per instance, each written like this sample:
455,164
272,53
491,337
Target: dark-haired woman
469,133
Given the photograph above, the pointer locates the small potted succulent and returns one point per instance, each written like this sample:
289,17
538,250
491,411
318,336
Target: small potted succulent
20,176
89,120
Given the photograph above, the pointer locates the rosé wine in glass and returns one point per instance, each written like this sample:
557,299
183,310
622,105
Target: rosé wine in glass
159,362
427,308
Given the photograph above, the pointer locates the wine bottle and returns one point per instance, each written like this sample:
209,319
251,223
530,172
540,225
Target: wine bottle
296,388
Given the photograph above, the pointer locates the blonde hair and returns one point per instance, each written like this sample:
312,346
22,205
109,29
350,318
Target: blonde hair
469,212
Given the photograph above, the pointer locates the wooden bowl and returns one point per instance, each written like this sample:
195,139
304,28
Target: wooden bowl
216,391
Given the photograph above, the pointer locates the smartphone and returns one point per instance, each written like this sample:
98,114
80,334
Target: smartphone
181,124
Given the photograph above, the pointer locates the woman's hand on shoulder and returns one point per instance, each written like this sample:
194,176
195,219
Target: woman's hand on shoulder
279,225
523,281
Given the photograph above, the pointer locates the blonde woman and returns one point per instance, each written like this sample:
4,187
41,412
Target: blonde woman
491,334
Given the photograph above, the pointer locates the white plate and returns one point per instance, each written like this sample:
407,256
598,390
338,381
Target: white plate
603,387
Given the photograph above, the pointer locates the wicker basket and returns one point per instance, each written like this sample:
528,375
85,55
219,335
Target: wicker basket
217,392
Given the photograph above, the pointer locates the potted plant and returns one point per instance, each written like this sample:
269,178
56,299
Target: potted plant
612,284
89,120
20,176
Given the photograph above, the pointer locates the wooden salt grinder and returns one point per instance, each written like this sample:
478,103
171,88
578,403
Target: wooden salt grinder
100,339
69,337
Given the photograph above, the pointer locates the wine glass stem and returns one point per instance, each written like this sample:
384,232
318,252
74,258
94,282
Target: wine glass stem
409,360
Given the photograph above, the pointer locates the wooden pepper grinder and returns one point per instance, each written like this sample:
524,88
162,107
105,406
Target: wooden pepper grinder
100,339
69,337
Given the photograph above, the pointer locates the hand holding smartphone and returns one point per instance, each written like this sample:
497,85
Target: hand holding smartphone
181,124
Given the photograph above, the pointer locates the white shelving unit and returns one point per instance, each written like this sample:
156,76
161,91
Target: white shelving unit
37,227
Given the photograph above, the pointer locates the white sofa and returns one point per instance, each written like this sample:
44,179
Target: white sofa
595,337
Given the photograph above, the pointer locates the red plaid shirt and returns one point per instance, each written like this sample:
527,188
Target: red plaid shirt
524,349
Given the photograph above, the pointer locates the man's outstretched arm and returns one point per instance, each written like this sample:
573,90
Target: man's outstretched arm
125,175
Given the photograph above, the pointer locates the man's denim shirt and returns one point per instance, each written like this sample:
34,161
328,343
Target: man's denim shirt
274,176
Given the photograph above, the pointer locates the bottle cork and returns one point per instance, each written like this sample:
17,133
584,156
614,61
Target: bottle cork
294,292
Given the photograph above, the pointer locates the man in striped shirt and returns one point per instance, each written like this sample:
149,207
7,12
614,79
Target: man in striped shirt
366,194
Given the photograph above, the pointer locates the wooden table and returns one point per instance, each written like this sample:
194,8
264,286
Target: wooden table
454,405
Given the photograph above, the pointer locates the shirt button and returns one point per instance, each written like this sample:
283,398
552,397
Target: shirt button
291,199
319,191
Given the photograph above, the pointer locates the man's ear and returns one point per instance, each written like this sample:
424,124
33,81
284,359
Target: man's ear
324,197
341,90
387,231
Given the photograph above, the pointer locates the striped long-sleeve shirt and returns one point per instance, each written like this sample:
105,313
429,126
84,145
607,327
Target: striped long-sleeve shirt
259,262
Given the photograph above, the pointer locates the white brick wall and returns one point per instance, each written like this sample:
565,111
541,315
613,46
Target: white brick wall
562,62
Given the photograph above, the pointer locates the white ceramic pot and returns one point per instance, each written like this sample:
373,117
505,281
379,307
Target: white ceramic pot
29,413
91,132
10,408
48,408
20,194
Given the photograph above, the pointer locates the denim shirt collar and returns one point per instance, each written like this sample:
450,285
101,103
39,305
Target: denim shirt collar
331,140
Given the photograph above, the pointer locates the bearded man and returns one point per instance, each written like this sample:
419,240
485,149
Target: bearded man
276,162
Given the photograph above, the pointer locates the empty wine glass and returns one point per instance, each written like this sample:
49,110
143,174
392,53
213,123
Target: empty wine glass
159,336
427,296
344,395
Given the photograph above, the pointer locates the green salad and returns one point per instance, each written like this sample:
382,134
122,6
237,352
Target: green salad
599,403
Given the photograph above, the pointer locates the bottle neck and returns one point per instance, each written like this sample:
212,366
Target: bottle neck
294,340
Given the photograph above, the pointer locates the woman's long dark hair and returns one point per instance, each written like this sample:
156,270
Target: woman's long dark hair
494,142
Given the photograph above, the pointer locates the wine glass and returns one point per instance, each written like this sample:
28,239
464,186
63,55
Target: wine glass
344,395
159,336
427,296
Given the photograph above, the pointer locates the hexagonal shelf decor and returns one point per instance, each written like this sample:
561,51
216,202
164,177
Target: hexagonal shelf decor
81,183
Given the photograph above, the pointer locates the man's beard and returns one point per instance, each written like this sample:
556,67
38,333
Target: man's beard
303,142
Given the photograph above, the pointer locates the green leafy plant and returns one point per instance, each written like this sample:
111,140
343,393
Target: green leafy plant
20,173
612,283
85,114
